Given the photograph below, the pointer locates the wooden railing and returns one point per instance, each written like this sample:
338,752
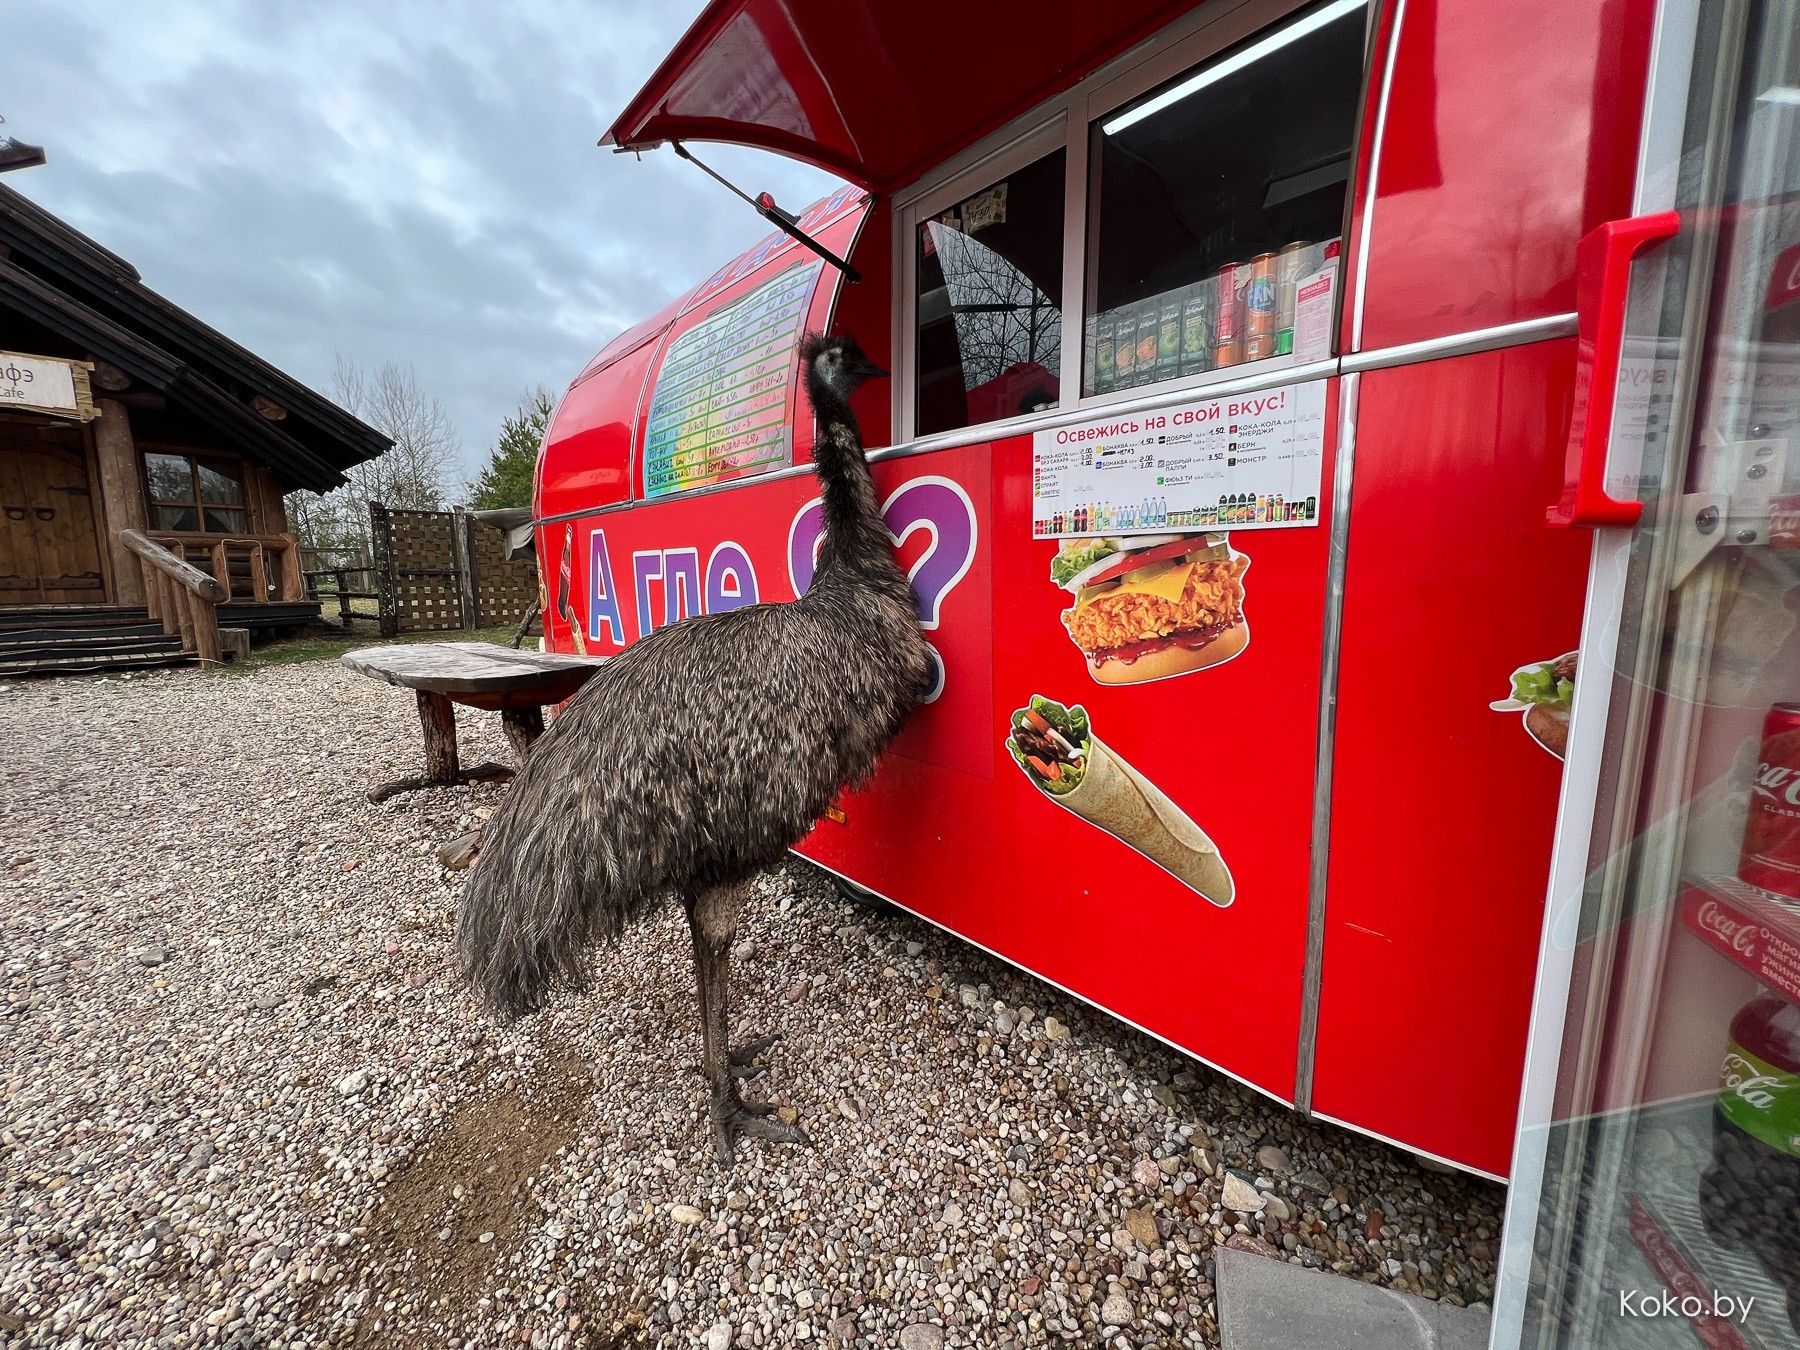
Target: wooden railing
185,599
283,567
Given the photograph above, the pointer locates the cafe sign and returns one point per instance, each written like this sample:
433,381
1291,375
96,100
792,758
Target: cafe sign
46,384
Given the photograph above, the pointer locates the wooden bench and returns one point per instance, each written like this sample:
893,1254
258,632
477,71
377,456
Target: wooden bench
515,684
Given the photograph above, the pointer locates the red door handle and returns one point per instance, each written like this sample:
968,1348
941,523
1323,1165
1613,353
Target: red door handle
1602,285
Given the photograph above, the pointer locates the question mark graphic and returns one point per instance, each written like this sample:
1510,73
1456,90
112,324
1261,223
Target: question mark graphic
938,505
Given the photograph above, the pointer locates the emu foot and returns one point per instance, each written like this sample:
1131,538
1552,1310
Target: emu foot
750,1120
743,1059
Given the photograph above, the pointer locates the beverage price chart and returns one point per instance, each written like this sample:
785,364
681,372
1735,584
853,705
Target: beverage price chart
1249,461
720,407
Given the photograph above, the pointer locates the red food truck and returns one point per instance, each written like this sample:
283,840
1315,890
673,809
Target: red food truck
1341,450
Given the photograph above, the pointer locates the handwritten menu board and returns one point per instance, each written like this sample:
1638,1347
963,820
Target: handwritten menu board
1249,461
720,407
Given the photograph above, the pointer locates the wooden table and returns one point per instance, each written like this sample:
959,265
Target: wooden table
515,684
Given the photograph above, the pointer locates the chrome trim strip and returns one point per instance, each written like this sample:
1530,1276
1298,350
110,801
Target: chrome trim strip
1368,219
1162,396
1312,977
1463,344
1367,1133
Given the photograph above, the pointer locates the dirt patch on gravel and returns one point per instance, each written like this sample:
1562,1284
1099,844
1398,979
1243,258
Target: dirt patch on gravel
474,1183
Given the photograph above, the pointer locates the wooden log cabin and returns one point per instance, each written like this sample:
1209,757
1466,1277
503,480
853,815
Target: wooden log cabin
143,461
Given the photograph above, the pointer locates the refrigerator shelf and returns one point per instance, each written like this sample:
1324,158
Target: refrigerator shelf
1753,928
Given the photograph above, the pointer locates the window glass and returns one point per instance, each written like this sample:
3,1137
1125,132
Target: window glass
171,477
1217,201
177,518
188,494
990,301
216,487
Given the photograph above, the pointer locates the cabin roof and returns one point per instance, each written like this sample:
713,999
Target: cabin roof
62,280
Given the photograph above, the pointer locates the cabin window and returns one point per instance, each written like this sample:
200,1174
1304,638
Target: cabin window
1216,200
989,319
191,493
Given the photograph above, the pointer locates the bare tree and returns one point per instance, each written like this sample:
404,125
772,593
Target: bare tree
414,475
1002,318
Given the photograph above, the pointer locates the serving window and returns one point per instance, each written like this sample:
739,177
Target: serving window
988,322
1213,198
1188,201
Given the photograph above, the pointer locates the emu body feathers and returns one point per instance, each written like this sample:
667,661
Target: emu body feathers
705,750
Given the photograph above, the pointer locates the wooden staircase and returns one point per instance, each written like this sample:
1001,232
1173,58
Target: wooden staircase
75,639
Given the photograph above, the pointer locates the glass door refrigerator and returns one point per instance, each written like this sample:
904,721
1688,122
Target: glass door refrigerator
1656,1179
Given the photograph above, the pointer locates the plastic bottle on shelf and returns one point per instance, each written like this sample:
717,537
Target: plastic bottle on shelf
1750,1195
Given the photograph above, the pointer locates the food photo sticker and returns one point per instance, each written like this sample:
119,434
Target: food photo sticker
1056,749
1152,606
1544,691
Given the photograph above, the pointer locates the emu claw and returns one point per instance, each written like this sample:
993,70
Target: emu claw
751,1120
743,1059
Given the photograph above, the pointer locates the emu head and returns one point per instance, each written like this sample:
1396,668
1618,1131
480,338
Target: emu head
836,363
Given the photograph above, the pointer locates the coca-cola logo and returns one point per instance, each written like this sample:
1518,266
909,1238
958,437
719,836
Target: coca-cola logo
1777,783
1748,1082
1740,937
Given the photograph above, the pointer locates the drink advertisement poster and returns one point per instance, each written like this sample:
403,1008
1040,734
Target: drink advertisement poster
1248,461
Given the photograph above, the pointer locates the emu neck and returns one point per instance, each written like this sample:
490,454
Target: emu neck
855,534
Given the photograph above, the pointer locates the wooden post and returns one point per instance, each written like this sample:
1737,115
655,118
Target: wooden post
176,598
121,495
259,574
205,617
471,570
438,716
293,584
221,566
522,727
381,535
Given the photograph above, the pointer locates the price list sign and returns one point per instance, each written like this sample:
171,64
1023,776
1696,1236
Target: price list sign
1249,461
720,407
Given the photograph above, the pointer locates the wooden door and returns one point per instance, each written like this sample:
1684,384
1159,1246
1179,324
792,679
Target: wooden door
49,531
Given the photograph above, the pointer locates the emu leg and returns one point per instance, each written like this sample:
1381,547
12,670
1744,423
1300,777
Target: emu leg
712,920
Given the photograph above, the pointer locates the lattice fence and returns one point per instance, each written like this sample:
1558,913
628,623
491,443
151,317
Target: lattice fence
504,591
419,572
440,570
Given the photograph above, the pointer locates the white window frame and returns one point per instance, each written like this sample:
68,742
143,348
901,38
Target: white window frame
1063,122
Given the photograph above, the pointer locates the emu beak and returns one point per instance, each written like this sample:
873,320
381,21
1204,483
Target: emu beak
865,369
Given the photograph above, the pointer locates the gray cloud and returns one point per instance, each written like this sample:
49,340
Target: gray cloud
407,181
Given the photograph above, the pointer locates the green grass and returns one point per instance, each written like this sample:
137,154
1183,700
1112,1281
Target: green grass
329,646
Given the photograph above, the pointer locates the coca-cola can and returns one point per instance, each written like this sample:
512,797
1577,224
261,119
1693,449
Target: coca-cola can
1784,521
1771,856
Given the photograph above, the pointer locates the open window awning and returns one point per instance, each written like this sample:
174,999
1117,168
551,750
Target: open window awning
876,92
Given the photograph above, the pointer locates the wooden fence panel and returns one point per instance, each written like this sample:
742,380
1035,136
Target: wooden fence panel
504,592
419,570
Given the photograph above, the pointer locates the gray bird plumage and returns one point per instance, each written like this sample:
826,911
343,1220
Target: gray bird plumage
697,757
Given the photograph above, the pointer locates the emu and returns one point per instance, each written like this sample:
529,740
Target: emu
697,757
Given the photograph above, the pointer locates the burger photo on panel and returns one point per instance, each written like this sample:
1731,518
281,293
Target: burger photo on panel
1155,605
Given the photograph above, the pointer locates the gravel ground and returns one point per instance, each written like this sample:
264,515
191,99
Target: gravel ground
246,1102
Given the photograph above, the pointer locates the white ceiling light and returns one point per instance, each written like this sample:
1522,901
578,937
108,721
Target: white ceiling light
1312,23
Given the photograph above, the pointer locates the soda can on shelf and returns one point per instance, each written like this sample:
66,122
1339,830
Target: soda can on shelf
1259,308
1784,521
1105,368
1168,335
1149,327
1228,327
1124,346
1290,266
1771,855
1197,327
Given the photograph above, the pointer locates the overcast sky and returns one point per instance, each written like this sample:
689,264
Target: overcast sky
407,180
